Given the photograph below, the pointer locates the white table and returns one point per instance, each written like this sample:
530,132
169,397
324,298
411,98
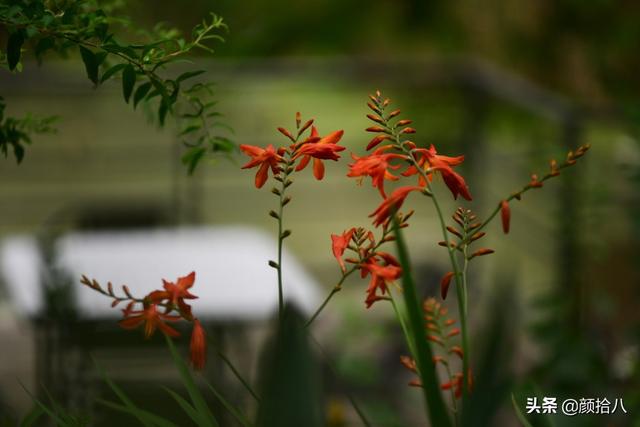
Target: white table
233,279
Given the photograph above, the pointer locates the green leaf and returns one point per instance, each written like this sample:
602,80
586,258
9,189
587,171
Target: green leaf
128,81
189,129
229,407
519,413
14,47
290,391
115,48
188,75
43,45
186,406
32,417
50,412
128,403
91,63
192,157
233,369
162,112
436,409
206,418
140,93
145,417
111,71
18,151
222,144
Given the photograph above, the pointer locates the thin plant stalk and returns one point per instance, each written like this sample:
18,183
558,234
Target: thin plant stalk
435,406
459,275
337,288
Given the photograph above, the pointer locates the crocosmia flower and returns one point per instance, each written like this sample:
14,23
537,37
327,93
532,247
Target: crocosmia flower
339,244
265,158
381,274
430,159
376,165
319,148
392,204
152,319
176,293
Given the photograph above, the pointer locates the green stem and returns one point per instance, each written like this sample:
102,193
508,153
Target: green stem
233,369
280,291
460,283
283,189
403,325
337,288
516,195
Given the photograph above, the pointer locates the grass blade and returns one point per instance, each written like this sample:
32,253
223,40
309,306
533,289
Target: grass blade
186,406
229,407
32,417
436,408
132,409
59,421
233,369
140,414
519,413
206,418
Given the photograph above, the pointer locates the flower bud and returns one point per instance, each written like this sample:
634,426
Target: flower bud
375,129
198,347
286,133
394,113
505,214
445,283
481,252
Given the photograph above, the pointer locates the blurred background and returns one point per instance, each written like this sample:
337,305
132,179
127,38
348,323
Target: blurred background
509,84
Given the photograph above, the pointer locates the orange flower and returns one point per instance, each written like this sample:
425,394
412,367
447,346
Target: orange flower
198,346
392,204
505,213
443,164
380,275
151,318
176,293
375,165
319,148
339,245
264,157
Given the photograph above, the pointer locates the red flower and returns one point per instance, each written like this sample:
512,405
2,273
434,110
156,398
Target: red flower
375,165
198,346
380,276
265,157
324,148
176,293
443,164
339,245
391,204
152,319
505,213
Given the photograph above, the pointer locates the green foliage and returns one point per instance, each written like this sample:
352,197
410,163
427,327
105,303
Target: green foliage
198,409
436,409
60,416
290,390
88,27
14,132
